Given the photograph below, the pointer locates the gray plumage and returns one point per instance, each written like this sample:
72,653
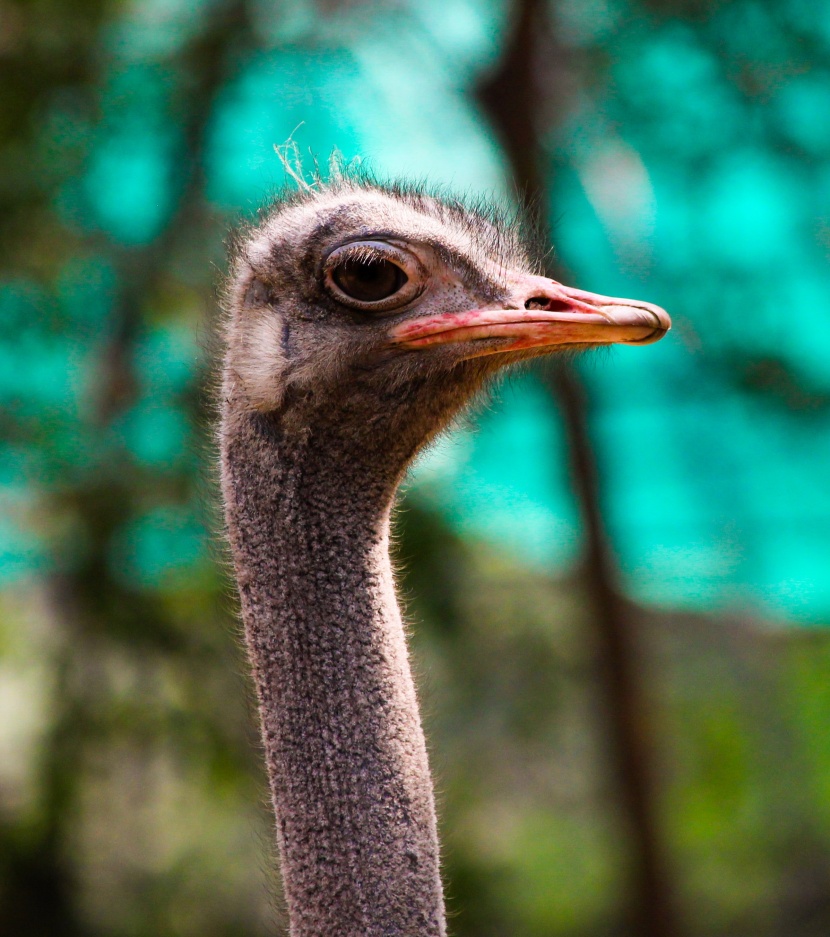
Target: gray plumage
326,398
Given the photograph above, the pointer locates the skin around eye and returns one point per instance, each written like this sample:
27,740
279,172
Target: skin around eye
374,276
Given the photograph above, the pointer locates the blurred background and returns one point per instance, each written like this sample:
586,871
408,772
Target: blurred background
617,572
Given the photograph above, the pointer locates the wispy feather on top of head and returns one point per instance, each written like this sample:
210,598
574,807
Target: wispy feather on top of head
489,219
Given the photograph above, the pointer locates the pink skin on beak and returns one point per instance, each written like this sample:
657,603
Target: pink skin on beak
548,313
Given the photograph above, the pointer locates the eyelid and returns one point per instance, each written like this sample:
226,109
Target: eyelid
373,250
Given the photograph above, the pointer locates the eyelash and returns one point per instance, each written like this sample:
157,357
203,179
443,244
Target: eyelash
360,253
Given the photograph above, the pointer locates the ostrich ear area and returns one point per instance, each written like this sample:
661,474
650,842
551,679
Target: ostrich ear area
258,358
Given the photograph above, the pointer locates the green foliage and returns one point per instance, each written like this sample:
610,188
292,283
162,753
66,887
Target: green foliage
689,162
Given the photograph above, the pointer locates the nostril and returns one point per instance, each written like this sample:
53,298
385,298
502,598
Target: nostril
549,305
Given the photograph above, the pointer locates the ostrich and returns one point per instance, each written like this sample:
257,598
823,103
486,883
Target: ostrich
359,320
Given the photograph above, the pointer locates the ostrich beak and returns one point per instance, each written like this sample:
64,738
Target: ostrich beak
551,314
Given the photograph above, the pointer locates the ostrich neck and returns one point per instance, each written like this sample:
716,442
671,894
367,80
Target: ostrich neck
308,522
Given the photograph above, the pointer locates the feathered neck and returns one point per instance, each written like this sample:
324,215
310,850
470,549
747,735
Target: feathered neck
308,523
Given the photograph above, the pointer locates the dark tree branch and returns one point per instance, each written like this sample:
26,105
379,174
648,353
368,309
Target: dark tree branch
517,97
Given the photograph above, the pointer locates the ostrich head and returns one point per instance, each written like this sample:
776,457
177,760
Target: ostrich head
382,310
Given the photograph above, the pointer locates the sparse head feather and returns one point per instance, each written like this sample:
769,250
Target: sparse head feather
502,232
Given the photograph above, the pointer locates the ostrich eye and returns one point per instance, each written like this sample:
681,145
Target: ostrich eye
370,280
374,275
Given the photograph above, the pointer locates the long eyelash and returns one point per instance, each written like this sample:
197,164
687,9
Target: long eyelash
366,254
362,253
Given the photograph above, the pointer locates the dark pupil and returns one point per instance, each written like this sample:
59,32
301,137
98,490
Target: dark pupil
369,281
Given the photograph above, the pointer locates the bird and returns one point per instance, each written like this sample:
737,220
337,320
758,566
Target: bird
360,318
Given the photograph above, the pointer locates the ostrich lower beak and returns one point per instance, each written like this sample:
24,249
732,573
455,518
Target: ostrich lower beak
556,315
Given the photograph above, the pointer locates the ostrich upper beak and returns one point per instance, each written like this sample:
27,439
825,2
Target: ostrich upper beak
549,314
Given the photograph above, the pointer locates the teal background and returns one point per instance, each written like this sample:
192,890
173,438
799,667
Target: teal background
689,167
687,149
